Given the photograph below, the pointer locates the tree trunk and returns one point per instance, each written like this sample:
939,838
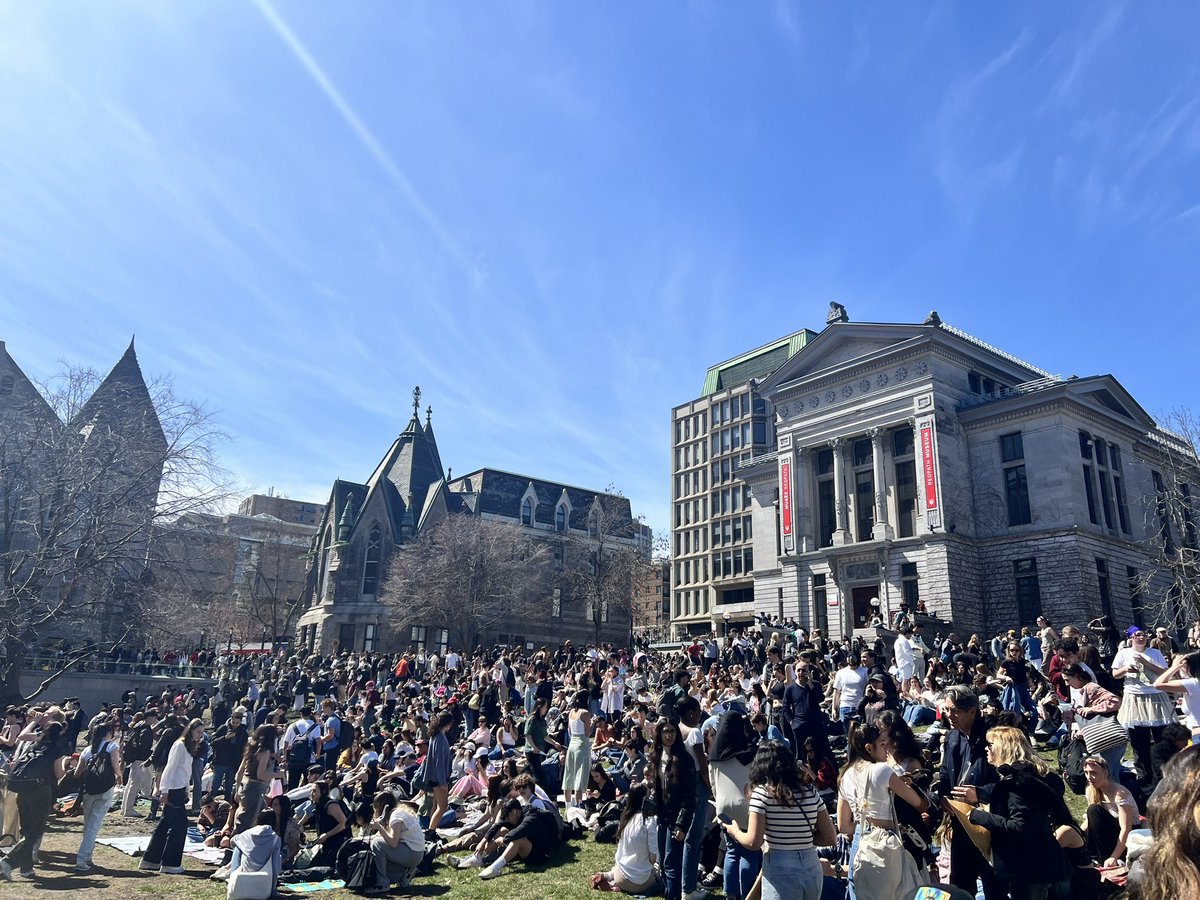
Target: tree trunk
10,685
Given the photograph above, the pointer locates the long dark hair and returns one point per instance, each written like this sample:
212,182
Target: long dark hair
635,801
100,734
284,815
655,754
262,740
860,736
192,744
774,768
904,742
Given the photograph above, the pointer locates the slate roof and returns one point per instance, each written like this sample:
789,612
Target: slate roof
499,493
757,363
23,392
120,396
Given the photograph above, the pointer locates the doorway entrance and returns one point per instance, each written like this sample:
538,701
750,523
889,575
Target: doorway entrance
860,602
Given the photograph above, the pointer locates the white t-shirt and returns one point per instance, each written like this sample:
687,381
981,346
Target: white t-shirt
412,837
1139,682
694,739
878,791
851,786
853,685
1191,702
636,848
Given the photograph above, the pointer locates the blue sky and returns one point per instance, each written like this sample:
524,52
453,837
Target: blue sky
554,217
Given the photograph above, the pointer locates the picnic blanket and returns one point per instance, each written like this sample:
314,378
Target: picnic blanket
135,845
312,887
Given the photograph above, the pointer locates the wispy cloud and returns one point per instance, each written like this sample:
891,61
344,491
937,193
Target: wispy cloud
370,143
1078,53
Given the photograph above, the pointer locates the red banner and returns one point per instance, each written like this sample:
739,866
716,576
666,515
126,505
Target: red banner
930,467
785,500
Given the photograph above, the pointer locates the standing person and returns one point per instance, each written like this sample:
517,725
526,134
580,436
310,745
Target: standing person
849,688
802,708
100,780
578,762
1031,645
439,760
257,771
1144,708
788,814
674,782
967,776
1026,808
1048,636
905,661
165,852
1089,703
1013,673
139,744
41,769
1184,678
298,745
228,746
331,736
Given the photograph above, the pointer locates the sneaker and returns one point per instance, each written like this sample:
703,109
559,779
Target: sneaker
83,867
713,879
172,870
146,866
470,861
222,874
406,878
490,872
27,874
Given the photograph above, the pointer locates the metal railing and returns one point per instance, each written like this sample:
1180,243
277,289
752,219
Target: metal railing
1017,390
125,667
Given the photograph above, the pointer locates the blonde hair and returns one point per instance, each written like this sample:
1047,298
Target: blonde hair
1171,868
1095,759
1010,745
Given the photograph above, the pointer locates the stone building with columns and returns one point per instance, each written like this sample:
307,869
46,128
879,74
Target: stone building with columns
915,463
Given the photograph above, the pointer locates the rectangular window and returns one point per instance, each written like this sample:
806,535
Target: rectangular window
1017,493
370,637
909,592
346,636
560,553
1106,499
826,513
748,555
1091,494
864,503
417,635
1085,445
747,527
1135,596
1105,588
1029,595
974,383
1122,506
1189,520
1160,507
1016,488
902,442
760,434
906,498
818,589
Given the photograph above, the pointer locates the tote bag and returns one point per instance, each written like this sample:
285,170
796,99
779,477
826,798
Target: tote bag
1103,733
882,868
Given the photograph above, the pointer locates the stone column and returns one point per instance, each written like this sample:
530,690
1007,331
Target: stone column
802,479
881,530
841,536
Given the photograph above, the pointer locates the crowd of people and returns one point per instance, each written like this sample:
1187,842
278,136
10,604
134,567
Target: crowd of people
770,761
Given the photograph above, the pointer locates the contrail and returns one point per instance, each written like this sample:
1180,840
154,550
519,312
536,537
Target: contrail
399,179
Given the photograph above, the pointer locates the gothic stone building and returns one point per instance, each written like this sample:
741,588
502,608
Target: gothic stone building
409,492
915,462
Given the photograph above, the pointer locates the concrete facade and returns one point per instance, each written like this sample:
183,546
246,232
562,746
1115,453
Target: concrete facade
917,463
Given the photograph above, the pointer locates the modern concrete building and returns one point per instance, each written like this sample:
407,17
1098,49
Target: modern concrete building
712,548
915,463
283,508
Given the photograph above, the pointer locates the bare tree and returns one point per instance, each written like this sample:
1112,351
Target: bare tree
467,575
86,469
1171,579
612,559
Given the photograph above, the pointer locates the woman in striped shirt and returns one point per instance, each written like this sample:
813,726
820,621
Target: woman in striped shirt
787,813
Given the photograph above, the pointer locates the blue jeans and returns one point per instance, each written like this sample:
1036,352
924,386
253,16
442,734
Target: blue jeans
1016,698
1113,757
846,713
95,806
741,868
670,859
850,863
695,839
795,874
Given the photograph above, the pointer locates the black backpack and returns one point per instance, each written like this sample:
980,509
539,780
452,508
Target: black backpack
31,770
300,753
99,777
140,744
1070,760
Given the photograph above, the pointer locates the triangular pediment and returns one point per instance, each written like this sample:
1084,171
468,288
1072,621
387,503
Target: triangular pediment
841,344
1108,393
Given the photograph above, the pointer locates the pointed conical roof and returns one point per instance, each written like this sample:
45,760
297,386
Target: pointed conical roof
16,390
122,400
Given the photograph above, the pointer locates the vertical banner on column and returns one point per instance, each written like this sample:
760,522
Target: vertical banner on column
785,502
927,434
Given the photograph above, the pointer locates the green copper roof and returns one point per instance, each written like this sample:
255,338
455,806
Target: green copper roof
756,363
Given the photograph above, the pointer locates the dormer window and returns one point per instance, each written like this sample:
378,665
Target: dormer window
560,518
526,512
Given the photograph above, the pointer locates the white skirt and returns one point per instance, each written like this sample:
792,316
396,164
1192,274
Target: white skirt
1146,710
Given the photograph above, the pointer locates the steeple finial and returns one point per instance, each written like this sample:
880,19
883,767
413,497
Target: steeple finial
428,415
416,401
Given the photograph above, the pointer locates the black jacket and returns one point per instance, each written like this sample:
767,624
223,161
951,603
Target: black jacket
677,798
1025,809
964,761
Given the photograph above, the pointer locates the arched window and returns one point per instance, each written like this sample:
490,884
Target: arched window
371,568
560,518
526,512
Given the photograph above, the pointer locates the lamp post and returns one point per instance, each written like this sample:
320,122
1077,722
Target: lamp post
725,617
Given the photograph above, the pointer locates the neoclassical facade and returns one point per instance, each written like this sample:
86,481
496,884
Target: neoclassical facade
915,462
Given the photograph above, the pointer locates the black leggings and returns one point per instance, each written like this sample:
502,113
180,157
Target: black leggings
1141,740
1103,830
